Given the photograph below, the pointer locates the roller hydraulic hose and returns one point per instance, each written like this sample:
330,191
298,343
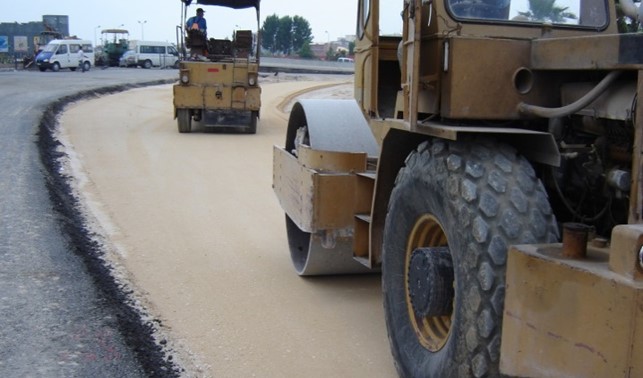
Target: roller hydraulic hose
572,108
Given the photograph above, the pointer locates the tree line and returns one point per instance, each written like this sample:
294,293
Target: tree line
287,35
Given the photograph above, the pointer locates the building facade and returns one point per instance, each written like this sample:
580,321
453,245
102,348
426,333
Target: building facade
21,39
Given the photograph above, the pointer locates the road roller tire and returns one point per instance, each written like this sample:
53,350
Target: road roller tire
312,255
184,120
252,126
473,199
329,125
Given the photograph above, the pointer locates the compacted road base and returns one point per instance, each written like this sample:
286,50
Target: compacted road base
191,223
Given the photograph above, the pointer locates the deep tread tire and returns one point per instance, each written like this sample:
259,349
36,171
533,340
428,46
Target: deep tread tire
252,127
184,120
481,197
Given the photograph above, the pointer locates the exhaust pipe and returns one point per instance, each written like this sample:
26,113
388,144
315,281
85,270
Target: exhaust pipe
631,10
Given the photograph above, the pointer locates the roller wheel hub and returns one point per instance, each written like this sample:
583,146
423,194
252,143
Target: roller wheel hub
430,281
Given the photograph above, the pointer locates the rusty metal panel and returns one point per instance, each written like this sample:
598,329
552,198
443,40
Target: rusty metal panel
240,76
253,98
239,98
636,196
332,161
333,201
588,52
624,252
293,185
483,90
365,187
216,86
360,239
534,145
569,318
207,73
216,74
615,103
637,347
314,201
217,97
188,96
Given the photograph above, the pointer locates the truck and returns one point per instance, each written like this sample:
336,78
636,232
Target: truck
218,77
489,167
115,43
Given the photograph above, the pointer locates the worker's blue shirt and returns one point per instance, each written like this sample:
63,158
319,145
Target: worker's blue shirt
200,21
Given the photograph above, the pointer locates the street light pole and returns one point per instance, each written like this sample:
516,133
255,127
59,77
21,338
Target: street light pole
96,28
328,52
142,23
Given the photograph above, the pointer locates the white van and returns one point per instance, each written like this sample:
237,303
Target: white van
63,53
148,54
345,60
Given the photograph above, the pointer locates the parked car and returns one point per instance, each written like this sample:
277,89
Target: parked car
128,59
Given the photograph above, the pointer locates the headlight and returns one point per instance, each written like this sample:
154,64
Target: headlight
185,77
46,60
252,80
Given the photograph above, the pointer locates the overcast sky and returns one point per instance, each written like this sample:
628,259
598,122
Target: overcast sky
329,19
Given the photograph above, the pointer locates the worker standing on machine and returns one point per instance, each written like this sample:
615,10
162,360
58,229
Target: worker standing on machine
196,28
197,22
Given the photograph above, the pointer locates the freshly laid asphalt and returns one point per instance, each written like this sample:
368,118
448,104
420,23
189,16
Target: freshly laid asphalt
61,312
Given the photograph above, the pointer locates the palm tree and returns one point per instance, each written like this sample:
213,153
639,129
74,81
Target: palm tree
547,10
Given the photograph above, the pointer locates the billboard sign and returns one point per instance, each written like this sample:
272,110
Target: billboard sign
4,44
20,43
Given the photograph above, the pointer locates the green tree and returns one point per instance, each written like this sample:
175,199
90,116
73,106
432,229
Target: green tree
330,54
269,33
306,52
284,35
351,48
301,33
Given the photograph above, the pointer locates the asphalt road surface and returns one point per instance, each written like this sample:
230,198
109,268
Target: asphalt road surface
56,318
189,223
